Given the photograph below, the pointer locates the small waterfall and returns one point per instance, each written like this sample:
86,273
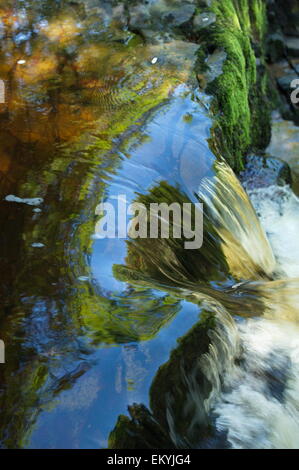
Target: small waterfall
259,404
200,381
223,351
230,213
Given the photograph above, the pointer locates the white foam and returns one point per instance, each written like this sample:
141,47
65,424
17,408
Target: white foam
278,210
260,408
251,415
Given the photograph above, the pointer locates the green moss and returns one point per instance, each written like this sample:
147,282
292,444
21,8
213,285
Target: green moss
240,106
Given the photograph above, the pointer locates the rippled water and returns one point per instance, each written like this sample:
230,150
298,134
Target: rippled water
92,112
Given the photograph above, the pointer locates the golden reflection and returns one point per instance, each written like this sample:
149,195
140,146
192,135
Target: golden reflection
37,68
63,30
89,57
281,299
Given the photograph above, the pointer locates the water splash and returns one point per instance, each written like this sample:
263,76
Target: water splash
259,406
278,208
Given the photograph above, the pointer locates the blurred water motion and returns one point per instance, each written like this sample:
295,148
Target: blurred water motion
93,111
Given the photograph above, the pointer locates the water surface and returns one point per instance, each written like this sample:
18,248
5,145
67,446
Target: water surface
93,111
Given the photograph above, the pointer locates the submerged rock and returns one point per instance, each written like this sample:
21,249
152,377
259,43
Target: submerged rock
179,15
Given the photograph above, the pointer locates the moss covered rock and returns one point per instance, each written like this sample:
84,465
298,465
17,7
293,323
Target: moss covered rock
241,103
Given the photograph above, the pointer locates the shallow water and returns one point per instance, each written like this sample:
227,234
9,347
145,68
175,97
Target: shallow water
92,112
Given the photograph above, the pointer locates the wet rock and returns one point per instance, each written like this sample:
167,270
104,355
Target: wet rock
160,15
204,3
285,81
264,171
203,20
101,10
215,64
119,15
276,47
285,73
175,53
213,68
140,17
285,146
285,14
180,15
292,45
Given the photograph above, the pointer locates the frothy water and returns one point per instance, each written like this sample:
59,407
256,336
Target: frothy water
261,408
278,209
259,404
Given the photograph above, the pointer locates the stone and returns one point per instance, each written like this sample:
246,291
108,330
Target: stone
286,80
292,45
285,146
140,17
276,47
203,20
215,64
181,15
264,171
160,14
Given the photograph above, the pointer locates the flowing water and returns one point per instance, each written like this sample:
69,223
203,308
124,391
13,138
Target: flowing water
259,408
93,112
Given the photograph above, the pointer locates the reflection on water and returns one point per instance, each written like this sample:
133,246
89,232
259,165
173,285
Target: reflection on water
79,88
91,112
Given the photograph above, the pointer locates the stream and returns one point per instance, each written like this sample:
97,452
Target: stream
201,345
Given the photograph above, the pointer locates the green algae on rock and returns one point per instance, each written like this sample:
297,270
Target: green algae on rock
242,101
